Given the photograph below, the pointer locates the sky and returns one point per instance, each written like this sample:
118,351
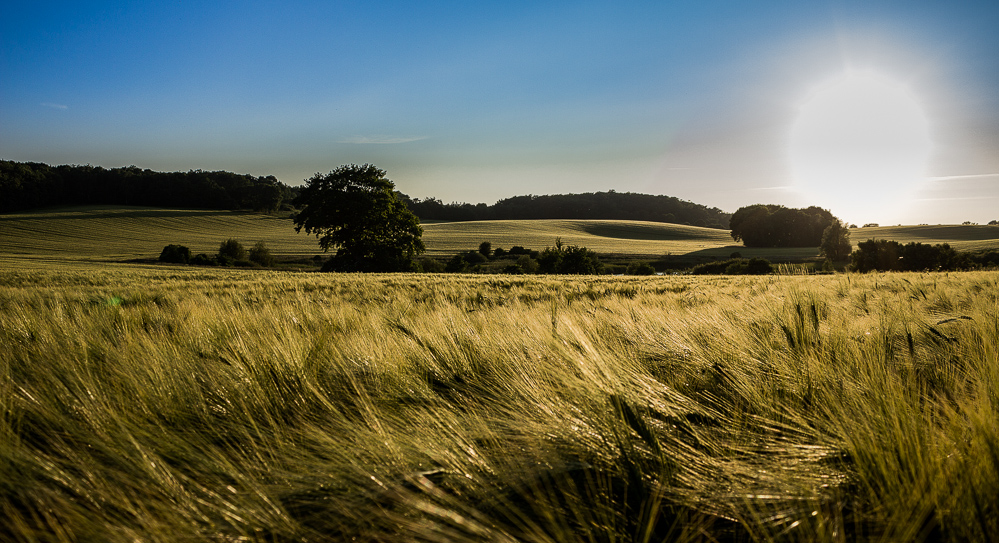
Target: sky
881,112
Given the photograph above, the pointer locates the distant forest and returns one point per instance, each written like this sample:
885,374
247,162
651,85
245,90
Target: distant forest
590,205
27,185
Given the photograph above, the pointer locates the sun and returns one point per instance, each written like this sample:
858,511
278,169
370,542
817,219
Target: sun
859,147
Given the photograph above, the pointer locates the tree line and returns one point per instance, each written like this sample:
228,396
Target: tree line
26,185
610,205
889,255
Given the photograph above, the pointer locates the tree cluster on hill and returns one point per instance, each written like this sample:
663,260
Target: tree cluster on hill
889,255
772,225
26,185
592,205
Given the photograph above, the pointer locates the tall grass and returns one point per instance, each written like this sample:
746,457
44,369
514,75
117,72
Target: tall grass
233,406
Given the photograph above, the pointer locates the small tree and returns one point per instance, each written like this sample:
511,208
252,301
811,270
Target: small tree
457,264
231,251
569,259
486,248
527,264
836,242
177,254
261,255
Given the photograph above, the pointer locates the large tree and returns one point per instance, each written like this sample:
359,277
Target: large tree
772,225
355,211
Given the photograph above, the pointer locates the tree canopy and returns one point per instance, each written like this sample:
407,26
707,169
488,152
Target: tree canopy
772,225
355,211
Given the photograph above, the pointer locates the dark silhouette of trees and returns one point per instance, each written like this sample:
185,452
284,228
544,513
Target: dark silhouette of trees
355,211
26,185
569,259
734,266
260,254
890,255
176,254
230,252
486,248
595,205
772,225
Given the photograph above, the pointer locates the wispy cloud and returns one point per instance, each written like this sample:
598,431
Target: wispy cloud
956,198
379,139
54,106
959,177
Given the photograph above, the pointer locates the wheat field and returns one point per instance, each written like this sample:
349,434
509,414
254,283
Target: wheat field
177,404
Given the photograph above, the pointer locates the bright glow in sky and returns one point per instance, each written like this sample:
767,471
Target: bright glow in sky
860,144
716,102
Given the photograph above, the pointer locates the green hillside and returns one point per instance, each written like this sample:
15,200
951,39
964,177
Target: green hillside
127,233
124,233
602,236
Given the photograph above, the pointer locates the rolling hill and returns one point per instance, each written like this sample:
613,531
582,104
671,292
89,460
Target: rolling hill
108,233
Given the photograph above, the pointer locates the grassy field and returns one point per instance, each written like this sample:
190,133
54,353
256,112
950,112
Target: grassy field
153,403
120,234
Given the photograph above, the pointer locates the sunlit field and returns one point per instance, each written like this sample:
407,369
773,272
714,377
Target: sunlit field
182,404
116,234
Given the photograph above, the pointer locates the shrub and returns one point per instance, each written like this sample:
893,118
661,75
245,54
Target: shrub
527,264
201,259
759,266
518,250
734,266
569,259
429,265
641,268
177,254
457,264
474,257
261,255
231,251
485,249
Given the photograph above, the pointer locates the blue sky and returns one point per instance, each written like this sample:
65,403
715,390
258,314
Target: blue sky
475,102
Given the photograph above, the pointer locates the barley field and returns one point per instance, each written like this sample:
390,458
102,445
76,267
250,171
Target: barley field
156,404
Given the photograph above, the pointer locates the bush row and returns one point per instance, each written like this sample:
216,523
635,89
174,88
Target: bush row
231,253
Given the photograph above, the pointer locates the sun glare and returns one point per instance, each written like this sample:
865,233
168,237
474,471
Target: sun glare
859,147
